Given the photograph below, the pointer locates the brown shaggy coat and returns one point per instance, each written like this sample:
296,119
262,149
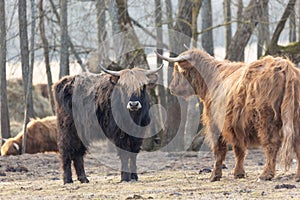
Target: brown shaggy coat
41,137
254,104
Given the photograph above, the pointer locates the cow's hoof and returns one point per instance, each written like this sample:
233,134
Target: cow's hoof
125,177
237,176
83,180
266,177
134,176
297,178
215,178
67,181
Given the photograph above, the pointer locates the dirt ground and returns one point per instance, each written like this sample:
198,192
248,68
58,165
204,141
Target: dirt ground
162,175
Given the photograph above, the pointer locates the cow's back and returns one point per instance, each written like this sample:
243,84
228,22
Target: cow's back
42,135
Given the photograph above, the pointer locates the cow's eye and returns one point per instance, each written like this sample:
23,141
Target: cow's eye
142,96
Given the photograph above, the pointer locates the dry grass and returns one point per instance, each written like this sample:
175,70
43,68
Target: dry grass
162,176
16,104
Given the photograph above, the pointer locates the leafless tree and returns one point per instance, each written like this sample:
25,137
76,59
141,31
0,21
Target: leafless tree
101,56
227,19
239,15
4,114
292,50
181,34
46,52
128,48
23,34
251,15
292,23
298,9
64,50
207,36
159,46
26,68
70,44
263,30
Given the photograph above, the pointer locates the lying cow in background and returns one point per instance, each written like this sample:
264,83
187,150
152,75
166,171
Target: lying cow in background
113,98
256,104
41,137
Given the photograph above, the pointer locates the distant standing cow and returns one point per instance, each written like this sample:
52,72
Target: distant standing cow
129,87
41,137
256,104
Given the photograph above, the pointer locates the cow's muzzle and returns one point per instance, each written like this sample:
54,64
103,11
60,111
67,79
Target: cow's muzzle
134,105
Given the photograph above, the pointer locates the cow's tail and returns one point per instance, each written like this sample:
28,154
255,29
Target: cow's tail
288,118
62,91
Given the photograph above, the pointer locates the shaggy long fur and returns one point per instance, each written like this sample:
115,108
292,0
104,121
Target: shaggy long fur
98,94
41,137
254,104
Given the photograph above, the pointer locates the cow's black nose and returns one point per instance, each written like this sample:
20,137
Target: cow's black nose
134,105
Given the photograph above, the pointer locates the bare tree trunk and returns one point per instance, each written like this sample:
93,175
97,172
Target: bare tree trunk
160,90
28,104
23,42
263,30
195,13
129,50
240,8
4,114
46,53
25,53
179,36
239,41
280,26
298,20
64,53
101,55
71,45
292,31
169,13
26,68
292,50
159,45
101,21
207,36
227,19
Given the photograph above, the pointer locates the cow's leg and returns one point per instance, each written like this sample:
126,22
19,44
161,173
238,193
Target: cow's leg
271,151
125,173
297,151
240,153
67,173
220,150
133,168
79,168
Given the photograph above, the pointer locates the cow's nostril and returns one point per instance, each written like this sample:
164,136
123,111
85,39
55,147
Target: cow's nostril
134,105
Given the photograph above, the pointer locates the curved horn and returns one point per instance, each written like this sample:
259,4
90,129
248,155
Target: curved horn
176,59
16,146
114,73
153,71
185,46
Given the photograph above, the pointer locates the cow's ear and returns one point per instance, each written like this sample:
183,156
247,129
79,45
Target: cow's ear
152,80
114,79
184,65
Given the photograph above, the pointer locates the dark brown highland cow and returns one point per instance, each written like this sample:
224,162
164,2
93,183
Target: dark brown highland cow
254,104
113,99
